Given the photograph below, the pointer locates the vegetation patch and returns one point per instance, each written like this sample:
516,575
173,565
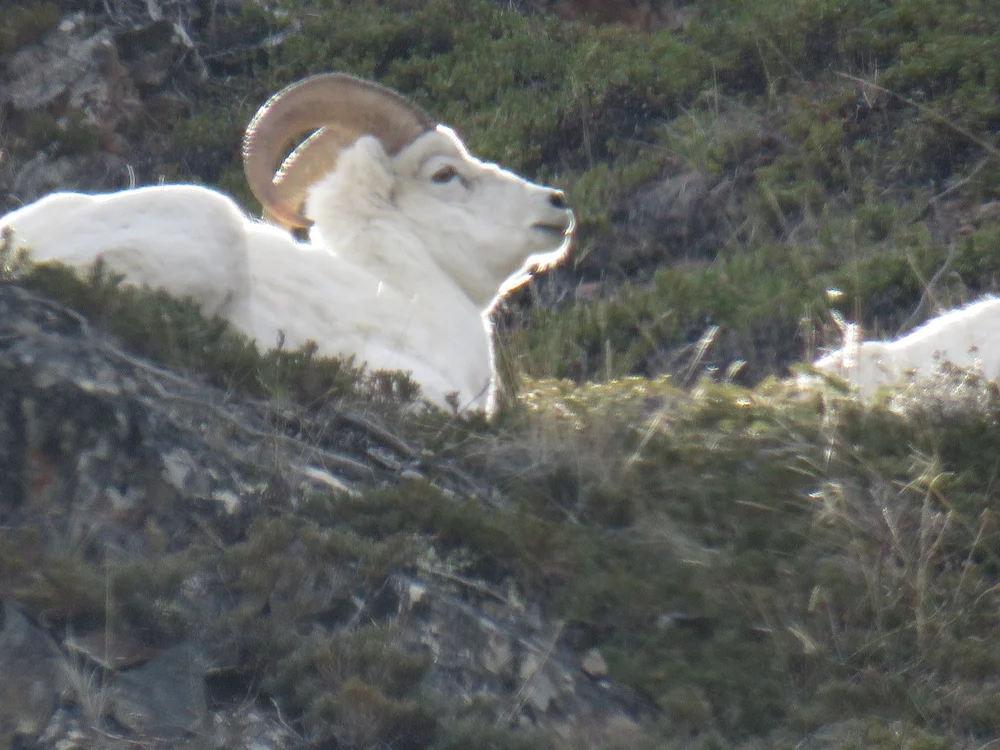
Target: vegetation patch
176,334
759,559
23,23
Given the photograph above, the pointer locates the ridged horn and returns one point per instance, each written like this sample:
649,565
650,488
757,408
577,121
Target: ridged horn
335,109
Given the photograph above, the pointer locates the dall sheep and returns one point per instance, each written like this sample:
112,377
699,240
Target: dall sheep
411,239
968,337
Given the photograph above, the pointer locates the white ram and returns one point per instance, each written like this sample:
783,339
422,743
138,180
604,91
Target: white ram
411,239
968,337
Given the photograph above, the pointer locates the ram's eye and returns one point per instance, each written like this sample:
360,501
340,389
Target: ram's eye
445,174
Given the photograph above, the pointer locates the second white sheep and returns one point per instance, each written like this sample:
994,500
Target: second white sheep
967,337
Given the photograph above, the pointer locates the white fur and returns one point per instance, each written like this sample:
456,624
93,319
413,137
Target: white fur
399,270
968,337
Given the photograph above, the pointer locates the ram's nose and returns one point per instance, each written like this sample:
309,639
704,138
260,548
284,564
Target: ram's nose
559,218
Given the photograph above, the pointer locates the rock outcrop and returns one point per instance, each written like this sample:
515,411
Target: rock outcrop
136,503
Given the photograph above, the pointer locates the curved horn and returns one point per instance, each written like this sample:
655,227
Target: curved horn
336,109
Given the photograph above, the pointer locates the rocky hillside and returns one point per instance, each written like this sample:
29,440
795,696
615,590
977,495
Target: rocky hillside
206,546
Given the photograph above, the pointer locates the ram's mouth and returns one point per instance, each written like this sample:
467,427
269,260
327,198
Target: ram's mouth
559,229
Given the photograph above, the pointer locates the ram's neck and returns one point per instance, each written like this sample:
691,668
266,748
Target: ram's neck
398,258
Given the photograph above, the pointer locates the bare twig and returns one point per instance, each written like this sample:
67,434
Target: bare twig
959,183
928,286
379,432
333,460
930,113
469,583
706,340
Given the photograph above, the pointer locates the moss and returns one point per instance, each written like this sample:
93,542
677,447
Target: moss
357,715
43,129
210,137
22,24
471,732
76,135
417,507
647,329
353,686
145,597
368,655
876,733
64,589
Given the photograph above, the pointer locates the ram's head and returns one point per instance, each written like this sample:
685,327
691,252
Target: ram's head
481,223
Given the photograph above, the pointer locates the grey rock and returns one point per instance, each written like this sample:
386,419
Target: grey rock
507,655
46,173
539,688
498,655
183,474
29,688
165,698
76,67
593,665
